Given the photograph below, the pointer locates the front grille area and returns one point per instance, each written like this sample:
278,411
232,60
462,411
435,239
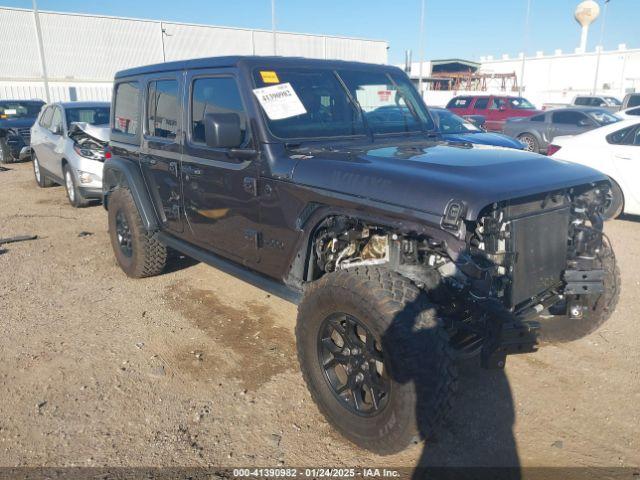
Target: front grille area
25,133
540,243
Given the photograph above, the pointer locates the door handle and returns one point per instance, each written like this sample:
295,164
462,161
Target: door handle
622,157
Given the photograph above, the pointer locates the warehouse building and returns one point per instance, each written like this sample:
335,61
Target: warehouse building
80,53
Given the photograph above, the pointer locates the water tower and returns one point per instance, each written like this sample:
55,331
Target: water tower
585,14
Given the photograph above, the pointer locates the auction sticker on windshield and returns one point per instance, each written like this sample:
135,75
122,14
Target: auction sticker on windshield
279,101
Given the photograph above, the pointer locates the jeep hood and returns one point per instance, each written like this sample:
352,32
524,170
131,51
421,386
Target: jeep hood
426,177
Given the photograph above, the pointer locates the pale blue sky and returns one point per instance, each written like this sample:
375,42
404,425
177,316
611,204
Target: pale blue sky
458,28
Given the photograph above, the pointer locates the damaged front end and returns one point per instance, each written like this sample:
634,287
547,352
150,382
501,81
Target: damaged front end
522,263
89,141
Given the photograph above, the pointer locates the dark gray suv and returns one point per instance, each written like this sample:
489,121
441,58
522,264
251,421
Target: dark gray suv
404,253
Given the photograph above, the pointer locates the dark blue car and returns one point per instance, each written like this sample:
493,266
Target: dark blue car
16,119
454,128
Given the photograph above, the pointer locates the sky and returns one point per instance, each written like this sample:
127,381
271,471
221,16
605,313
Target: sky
453,29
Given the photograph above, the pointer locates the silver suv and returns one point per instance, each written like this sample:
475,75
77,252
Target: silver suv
68,146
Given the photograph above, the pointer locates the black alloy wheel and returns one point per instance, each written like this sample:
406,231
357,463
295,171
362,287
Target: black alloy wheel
352,362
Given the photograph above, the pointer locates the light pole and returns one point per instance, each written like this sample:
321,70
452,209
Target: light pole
273,24
525,47
421,47
41,50
600,47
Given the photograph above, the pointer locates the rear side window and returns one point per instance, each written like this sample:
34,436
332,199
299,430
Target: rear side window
162,109
568,118
126,114
537,118
481,103
45,118
618,137
459,102
214,95
634,112
581,101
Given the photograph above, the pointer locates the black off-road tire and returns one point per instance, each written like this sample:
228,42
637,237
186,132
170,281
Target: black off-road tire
141,256
530,142
616,206
5,153
74,195
38,174
418,362
565,329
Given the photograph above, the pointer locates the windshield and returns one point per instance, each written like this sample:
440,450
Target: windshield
336,103
91,115
20,109
451,123
603,117
520,103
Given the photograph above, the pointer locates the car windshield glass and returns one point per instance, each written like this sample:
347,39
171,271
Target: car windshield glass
520,103
603,117
20,109
324,103
91,115
613,101
451,123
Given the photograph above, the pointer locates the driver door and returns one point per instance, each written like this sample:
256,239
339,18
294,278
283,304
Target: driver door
626,157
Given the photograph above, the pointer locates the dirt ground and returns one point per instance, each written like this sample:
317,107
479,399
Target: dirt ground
197,368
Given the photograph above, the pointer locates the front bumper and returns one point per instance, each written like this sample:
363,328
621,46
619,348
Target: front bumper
91,192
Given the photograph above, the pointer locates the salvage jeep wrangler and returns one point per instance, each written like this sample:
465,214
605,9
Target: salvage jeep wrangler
325,183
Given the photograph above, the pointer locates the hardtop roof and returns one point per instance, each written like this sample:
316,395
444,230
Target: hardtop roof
237,60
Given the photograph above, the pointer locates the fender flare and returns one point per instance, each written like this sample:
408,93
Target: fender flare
123,173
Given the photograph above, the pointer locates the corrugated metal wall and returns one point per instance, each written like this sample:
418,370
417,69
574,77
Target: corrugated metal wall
82,50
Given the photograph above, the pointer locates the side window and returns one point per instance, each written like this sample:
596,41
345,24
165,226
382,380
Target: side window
481,103
45,118
498,103
568,118
214,95
56,120
126,116
619,137
537,118
581,101
634,101
162,109
634,112
635,138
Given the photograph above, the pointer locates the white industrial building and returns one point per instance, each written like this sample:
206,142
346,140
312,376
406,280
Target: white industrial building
80,53
548,79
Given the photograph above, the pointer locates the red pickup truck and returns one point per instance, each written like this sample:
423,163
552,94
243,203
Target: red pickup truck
495,109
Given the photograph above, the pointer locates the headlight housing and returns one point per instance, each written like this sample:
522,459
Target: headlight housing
89,153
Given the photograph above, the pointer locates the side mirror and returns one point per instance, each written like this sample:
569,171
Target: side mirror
222,130
502,108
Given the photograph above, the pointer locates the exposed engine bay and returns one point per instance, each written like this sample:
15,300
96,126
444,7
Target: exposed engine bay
89,140
522,259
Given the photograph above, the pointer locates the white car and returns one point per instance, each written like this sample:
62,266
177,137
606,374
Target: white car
615,151
629,113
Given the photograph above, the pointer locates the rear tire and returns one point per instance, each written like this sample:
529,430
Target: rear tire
530,143
564,329
411,366
75,197
41,179
616,206
136,251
